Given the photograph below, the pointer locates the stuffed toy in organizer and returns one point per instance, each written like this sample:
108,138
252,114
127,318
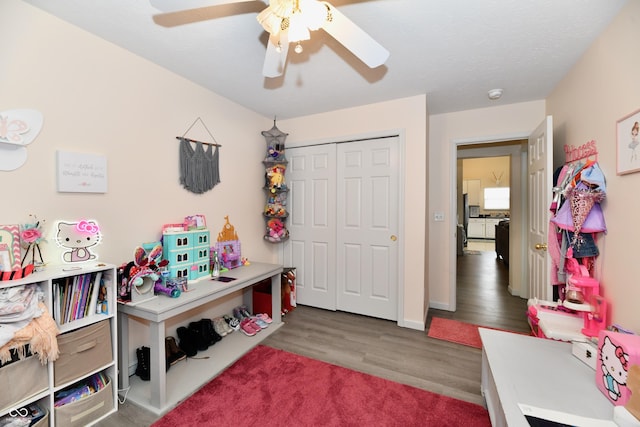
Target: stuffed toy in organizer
276,230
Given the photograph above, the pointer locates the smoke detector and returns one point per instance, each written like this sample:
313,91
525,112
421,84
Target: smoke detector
495,93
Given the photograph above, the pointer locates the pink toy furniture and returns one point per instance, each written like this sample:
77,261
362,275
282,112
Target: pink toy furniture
617,352
593,307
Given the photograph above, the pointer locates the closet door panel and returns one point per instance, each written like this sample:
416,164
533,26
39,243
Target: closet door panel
311,245
352,269
368,219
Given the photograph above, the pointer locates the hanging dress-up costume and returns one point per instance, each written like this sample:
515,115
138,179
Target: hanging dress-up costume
199,170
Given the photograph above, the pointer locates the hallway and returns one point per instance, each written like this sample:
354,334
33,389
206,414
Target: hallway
483,297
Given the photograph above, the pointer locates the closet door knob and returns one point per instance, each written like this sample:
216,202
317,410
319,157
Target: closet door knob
393,238
541,246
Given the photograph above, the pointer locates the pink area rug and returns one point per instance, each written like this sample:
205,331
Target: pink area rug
270,387
455,331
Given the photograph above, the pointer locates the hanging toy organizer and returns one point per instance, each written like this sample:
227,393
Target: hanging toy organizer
275,163
199,169
576,221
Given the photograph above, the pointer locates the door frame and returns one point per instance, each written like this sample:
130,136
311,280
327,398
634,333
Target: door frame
453,207
401,135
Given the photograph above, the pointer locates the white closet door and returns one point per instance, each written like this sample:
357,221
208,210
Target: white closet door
311,248
367,227
343,226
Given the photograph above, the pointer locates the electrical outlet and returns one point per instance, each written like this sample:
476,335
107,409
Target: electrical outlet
438,216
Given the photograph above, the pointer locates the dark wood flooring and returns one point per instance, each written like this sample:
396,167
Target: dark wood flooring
381,348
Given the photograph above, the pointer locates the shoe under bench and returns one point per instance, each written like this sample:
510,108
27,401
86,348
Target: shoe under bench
166,389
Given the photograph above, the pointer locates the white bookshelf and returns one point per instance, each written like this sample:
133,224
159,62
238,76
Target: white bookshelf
45,280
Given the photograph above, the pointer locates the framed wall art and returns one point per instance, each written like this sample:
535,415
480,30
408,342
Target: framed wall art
628,143
10,247
81,173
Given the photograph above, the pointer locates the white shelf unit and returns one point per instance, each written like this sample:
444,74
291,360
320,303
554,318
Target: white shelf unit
45,398
167,388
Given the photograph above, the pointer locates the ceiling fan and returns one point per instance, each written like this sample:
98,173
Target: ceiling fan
290,21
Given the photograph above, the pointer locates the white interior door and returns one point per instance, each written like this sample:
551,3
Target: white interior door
343,225
367,244
311,248
540,173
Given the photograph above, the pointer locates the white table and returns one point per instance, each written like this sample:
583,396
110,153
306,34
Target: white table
538,372
187,377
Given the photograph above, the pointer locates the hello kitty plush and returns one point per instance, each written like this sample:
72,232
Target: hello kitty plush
616,353
78,237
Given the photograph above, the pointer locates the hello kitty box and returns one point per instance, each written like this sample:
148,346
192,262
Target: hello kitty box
616,353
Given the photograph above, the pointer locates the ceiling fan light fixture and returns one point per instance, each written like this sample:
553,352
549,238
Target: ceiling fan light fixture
298,29
269,21
297,17
314,13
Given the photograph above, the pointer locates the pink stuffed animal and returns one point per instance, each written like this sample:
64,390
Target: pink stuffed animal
275,230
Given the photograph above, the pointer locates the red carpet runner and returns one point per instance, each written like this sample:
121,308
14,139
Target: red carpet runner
270,387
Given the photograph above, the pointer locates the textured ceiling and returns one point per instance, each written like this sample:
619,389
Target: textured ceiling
453,51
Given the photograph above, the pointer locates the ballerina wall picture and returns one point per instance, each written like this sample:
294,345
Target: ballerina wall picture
628,143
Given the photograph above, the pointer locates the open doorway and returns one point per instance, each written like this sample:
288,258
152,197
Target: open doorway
494,165
485,195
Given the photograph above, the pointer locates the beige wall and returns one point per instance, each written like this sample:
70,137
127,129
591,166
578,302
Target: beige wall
502,123
97,98
408,117
603,87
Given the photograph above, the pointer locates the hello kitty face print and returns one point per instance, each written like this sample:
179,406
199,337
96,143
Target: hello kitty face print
615,367
78,237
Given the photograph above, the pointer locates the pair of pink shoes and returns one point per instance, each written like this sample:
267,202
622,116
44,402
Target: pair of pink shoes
250,325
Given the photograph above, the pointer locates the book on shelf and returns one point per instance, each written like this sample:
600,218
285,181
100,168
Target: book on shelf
76,297
97,283
82,389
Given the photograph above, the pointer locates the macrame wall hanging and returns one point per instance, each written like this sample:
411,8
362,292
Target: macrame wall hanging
199,169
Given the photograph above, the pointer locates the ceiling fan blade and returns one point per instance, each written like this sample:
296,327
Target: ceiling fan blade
361,44
274,61
177,5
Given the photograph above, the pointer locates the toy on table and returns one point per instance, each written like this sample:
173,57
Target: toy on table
228,246
186,246
138,277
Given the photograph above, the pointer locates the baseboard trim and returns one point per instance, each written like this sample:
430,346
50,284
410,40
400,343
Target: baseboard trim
440,306
411,324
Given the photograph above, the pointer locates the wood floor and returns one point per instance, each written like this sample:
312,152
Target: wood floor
381,348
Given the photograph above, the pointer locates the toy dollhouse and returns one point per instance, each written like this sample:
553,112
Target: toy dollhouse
187,251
